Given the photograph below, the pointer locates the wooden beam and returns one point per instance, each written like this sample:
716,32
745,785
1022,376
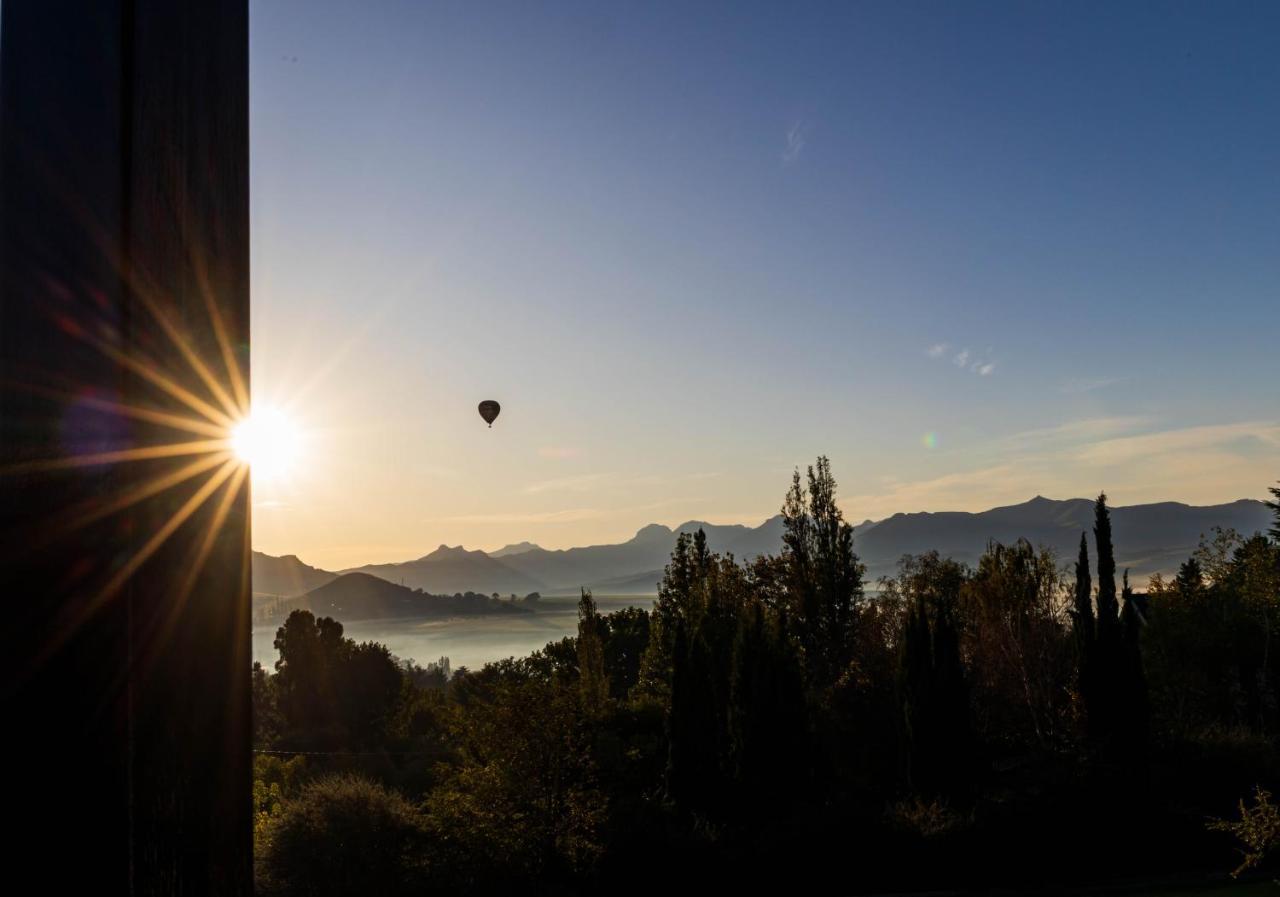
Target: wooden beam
124,309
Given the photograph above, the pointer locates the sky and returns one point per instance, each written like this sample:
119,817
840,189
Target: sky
972,252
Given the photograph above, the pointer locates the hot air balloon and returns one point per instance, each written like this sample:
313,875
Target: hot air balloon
489,411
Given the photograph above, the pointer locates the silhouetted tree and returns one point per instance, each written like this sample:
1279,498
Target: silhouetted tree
593,685
1275,510
330,692
934,695
1131,684
768,725
823,575
1084,626
1019,648
1108,605
1117,708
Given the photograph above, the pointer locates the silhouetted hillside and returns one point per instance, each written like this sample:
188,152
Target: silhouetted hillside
1148,538
285,575
448,570
360,596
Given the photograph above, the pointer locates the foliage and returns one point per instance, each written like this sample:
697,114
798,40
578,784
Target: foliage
1257,830
1018,646
962,718
345,835
822,575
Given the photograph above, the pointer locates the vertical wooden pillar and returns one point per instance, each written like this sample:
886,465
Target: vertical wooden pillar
124,324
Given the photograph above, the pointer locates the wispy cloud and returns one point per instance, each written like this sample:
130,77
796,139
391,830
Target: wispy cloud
1206,464
970,361
797,137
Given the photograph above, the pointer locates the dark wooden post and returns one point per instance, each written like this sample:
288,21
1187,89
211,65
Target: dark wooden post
124,323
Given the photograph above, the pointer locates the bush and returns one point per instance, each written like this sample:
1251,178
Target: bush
1257,829
344,835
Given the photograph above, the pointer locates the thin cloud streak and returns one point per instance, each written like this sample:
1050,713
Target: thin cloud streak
797,137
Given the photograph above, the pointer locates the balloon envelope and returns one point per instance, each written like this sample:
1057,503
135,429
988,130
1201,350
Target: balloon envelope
489,410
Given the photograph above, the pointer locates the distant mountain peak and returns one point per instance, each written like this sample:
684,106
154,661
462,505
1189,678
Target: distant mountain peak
652,531
445,551
515,548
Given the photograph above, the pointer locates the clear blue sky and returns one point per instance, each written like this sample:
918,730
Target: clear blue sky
971,251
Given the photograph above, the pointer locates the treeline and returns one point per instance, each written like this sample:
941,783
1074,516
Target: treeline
770,724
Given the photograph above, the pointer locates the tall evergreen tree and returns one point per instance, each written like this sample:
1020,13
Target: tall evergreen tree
1275,510
1084,625
1108,605
593,683
1082,615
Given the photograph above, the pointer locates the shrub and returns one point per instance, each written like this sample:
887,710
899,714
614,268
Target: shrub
344,835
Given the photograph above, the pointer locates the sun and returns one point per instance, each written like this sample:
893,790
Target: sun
269,442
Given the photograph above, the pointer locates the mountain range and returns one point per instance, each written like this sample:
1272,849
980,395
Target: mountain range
1148,538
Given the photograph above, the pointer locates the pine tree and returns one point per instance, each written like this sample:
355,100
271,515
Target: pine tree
1190,578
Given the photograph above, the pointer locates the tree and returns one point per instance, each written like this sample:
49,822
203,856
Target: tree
1108,605
823,576
592,683
1117,707
1275,510
1084,626
1018,647
330,692
1134,712
933,690
768,725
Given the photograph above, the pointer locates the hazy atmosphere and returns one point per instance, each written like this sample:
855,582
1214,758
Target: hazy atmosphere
972,258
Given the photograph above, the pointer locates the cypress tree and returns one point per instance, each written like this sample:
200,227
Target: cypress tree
592,682
1108,605
1275,510
1083,623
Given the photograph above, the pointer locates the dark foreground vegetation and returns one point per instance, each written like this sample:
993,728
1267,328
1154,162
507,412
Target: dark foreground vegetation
1019,724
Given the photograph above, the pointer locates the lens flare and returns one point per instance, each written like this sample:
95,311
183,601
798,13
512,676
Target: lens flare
929,440
269,442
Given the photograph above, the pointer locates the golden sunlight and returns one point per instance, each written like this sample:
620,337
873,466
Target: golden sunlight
269,442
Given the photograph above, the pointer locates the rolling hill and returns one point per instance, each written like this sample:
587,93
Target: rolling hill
354,597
